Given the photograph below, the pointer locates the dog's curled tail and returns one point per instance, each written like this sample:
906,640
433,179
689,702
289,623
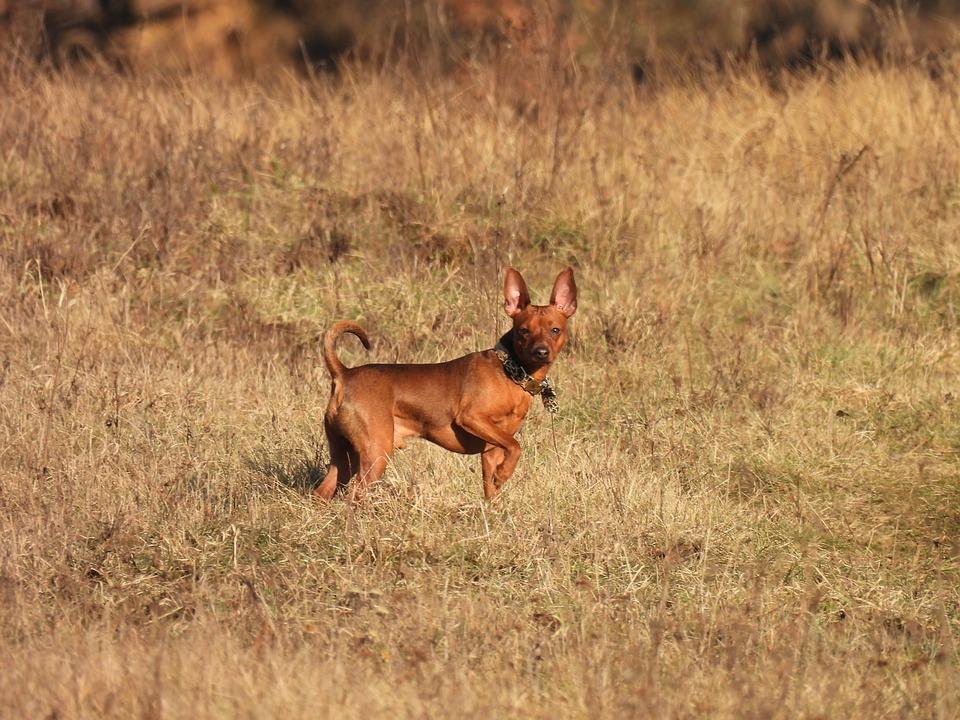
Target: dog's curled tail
334,366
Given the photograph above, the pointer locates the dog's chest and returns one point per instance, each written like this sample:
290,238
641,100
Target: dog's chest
516,413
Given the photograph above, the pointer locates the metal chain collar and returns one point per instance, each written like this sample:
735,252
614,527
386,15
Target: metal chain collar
516,372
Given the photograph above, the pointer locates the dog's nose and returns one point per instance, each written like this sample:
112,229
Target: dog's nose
541,353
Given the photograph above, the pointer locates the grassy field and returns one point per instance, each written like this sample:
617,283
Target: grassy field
748,506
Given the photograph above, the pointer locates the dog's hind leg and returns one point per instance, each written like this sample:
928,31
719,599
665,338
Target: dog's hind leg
375,446
372,467
344,462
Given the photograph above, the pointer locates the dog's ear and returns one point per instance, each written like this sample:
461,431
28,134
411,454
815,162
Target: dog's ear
515,293
564,295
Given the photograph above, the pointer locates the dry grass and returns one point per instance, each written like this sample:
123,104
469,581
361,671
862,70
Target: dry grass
752,505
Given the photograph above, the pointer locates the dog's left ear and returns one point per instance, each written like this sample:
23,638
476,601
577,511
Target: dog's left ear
564,295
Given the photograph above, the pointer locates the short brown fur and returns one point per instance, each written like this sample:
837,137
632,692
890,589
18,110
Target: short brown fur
467,405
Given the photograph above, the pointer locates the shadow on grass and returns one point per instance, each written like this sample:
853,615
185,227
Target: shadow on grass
302,474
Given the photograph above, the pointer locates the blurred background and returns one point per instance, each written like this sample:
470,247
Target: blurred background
234,38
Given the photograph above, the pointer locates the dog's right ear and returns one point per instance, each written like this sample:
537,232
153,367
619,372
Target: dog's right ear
515,293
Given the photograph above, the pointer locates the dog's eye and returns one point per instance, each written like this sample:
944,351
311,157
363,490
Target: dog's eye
555,331
523,331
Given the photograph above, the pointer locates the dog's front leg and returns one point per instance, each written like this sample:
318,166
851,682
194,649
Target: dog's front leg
501,455
490,460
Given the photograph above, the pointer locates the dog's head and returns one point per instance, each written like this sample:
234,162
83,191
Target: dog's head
539,331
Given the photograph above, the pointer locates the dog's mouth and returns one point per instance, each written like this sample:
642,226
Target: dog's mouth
532,360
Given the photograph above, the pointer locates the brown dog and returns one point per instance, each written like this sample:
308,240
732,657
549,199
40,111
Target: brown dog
474,404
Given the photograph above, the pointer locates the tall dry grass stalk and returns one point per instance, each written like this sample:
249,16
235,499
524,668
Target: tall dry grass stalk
752,506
